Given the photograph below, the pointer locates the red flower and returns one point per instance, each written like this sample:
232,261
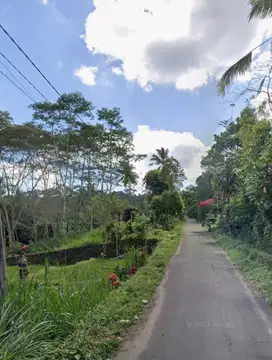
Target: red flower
113,276
132,270
113,280
26,247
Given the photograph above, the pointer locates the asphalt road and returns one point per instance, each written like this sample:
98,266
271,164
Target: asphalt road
204,310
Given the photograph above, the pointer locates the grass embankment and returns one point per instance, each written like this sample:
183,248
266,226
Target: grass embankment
255,265
83,270
98,334
93,237
49,305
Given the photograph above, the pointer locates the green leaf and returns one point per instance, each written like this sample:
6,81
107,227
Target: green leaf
261,85
239,68
260,9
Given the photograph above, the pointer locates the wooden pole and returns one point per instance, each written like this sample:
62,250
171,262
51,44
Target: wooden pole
3,264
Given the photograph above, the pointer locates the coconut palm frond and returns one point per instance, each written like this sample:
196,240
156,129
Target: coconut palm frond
260,9
239,68
155,159
163,153
261,85
159,157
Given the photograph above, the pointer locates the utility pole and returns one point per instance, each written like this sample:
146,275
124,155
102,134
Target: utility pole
3,264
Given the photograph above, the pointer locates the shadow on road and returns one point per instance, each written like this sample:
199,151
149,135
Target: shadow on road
200,233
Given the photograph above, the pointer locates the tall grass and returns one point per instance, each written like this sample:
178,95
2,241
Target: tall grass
42,310
47,307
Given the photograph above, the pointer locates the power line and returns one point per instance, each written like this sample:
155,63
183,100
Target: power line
34,87
40,72
14,77
18,87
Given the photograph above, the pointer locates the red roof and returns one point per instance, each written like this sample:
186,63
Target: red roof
206,203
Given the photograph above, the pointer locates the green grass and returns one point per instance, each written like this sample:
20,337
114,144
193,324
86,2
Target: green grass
81,270
49,305
95,236
99,334
69,312
255,265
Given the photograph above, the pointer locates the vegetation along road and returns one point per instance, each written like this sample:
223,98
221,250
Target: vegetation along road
204,310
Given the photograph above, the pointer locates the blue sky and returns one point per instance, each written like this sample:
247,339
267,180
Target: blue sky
50,33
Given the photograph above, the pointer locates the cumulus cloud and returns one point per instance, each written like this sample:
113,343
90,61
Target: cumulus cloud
44,2
174,42
183,146
117,71
86,74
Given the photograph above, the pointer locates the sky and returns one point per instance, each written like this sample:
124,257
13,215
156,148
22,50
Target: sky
157,60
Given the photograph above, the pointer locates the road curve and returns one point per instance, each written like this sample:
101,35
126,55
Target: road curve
204,311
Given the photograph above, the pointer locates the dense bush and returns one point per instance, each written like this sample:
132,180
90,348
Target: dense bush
167,207
129,213
238,170
114,231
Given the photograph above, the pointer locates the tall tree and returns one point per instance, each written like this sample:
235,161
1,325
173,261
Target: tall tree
239,167
53,166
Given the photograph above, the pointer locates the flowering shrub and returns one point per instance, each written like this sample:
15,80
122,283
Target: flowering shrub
132,270
114,280
25,248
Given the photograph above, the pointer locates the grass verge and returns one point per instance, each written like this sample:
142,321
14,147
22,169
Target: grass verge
48,306
100,333
255,265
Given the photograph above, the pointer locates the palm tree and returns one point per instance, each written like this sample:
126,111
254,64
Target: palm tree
159,157
129,176
260,9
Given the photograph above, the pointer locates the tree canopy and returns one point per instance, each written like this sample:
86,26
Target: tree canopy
238,171
57,168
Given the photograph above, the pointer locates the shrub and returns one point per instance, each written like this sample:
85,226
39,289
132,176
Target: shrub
140,225
166,207
129,213
114,231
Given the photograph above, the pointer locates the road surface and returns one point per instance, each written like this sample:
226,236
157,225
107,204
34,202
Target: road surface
204,310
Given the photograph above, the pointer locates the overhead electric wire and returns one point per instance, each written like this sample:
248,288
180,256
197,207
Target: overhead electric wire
30,83
14,77
40,72
18,87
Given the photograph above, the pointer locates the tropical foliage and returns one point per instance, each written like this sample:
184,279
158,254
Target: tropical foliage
60,171
238,172
159,157
258,9
163,189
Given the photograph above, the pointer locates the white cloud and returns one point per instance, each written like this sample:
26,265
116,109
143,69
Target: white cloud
184,146
117,71
104,80
86,74
172,41
44,2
